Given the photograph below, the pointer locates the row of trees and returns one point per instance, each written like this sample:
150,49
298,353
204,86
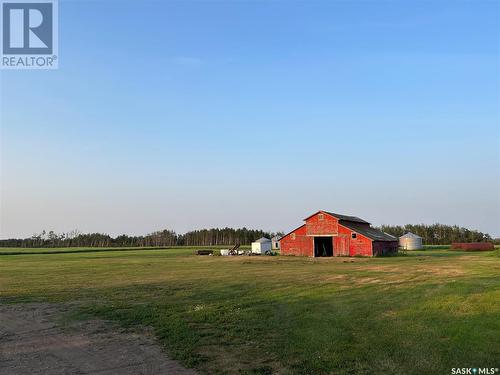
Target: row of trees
438,234
204,237
224,236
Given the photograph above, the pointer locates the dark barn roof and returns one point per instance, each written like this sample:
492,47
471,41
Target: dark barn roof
354,219
341,217
367,231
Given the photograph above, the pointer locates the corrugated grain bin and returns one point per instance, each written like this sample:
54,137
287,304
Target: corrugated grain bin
410,241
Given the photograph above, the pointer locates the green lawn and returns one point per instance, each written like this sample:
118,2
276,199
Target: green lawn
423,313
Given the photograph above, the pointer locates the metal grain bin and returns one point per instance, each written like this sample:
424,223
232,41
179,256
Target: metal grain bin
410,241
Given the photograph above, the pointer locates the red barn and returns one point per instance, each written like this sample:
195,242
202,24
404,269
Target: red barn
327,234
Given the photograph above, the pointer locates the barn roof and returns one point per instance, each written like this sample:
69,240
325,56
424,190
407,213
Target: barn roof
341,217
262,240
367,231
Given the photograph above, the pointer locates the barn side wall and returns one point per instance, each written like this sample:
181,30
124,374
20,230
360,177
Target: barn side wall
301,245
359,246
385,247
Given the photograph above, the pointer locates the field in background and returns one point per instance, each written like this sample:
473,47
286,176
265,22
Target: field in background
61,250
426,312
64,250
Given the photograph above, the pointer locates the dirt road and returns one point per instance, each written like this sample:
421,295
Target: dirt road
31,342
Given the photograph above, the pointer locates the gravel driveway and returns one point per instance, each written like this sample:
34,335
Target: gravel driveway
31,342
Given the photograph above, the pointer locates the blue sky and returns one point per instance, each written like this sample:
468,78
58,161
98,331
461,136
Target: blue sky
202,114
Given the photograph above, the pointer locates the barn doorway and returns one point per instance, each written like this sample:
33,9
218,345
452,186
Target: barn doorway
323,246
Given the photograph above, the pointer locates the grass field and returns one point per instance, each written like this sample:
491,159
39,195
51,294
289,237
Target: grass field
67,250
423,313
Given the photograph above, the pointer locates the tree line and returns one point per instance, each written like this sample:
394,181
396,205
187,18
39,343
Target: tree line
435,234
438,234
224,236
203,237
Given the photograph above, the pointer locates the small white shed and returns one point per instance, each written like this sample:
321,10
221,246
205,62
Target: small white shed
410,241
261,245
275,242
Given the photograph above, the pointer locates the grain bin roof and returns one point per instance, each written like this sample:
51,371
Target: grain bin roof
262,240
410,235
367,231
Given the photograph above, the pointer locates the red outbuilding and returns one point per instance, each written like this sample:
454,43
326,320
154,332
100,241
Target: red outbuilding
327,234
